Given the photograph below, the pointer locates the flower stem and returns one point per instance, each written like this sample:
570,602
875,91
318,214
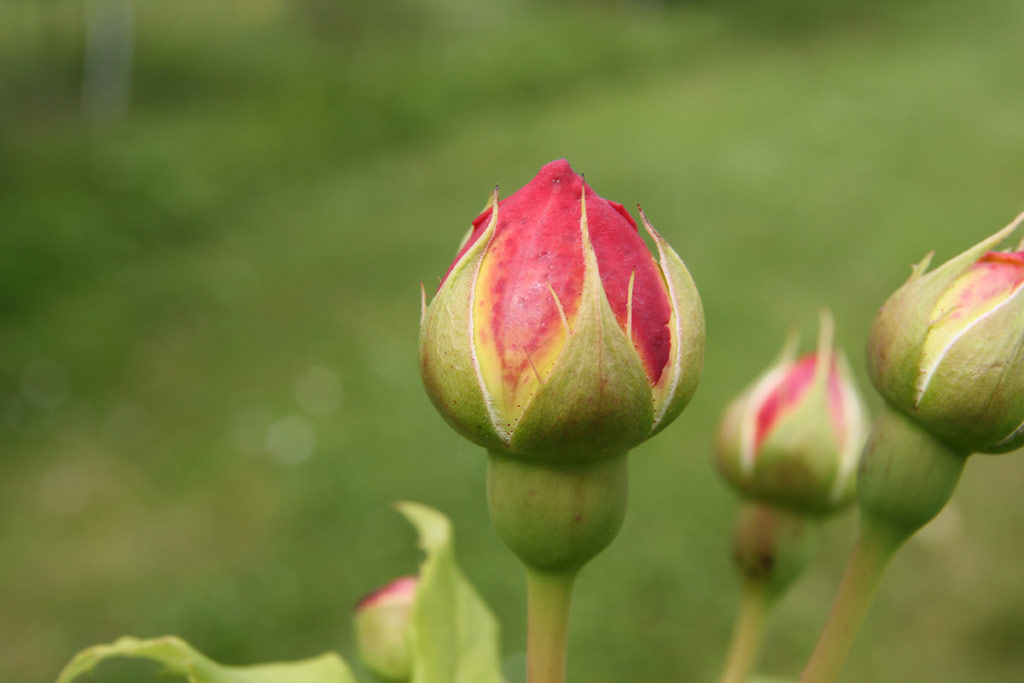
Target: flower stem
906,476
875,547
748,633
548,597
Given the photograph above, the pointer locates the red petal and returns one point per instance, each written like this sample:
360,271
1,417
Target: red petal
536,244
791,389
621,251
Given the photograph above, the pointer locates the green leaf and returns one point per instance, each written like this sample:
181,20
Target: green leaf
454,635
180,658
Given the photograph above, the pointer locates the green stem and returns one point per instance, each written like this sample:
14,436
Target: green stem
748,633
906,476
548,598
875,547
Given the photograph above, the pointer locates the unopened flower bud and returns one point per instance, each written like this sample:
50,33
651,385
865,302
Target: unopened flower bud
555,335
382,629
947,348
793,438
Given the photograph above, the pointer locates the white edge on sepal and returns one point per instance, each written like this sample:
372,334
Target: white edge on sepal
492,200
665,252
763,386
853,429
1011,436
481,245
492,408
423,304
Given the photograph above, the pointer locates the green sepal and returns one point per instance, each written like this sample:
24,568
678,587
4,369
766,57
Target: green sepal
181,659
596,401
798,461
447,354
686,362
453,634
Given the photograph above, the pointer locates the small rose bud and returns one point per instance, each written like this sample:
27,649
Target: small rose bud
555,334
794,437
382,629
947,348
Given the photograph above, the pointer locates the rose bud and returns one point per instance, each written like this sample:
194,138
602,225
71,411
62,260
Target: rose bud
382,629
793,438
947,349
555,334
558,343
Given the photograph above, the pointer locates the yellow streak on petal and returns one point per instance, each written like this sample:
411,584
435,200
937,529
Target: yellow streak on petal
629,308
511,373
558,305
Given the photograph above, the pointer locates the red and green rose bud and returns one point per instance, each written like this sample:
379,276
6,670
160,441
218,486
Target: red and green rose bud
382,621
558,342
794,437
555,335
947,348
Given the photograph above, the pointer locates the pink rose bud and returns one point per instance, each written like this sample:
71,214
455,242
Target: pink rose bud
382,629
555,334
947,348
793,438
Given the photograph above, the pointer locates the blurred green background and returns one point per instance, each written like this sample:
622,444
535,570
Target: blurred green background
214,219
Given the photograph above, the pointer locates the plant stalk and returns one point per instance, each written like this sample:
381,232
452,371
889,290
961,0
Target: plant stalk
748,633
906,476
548,598
875,547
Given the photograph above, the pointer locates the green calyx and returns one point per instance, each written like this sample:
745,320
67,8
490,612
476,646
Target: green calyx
556,516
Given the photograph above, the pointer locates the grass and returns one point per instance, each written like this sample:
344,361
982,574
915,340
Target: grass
269,204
